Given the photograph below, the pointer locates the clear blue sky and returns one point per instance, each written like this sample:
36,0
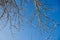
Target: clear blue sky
28,31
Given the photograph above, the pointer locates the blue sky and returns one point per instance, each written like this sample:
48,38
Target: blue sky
32,33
